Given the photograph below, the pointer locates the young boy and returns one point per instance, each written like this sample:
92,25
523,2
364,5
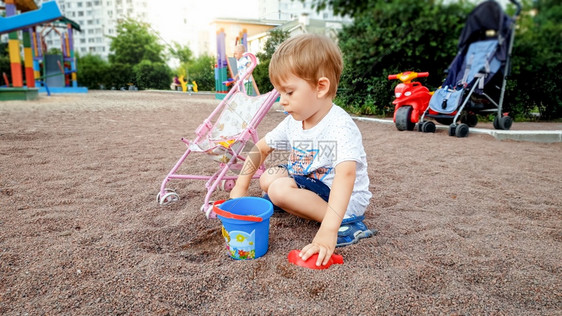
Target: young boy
326,178
242,64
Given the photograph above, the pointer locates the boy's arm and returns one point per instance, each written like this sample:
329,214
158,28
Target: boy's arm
326,238
255,158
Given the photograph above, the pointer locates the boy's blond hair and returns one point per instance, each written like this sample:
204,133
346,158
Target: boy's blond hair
309,57
240,48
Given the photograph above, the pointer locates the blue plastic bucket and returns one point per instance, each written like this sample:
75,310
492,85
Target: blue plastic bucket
245,226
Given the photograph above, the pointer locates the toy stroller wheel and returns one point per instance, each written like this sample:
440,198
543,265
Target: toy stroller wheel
444,120
452,129
505,122
208,210
497,123
428,127
168,198
166,191
461,130
227,185
403,115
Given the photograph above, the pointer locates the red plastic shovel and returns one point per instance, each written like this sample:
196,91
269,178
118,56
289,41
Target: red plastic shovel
311,262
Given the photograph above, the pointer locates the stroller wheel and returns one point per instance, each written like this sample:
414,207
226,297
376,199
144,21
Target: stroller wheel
403,121
505,122
497,122
208,210
227,185
452,129
169,197
428,127
461,130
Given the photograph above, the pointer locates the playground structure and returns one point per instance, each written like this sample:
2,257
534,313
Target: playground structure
226,66
43,72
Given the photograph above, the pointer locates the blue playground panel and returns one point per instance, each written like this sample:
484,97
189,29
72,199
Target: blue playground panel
48,12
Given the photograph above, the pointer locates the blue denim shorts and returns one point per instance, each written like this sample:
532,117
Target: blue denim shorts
314,185
310,184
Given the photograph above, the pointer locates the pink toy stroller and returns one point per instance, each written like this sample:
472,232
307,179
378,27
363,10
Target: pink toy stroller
222,136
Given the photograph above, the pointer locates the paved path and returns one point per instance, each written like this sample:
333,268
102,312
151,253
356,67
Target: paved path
539,133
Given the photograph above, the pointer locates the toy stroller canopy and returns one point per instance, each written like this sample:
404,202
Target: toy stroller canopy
487,16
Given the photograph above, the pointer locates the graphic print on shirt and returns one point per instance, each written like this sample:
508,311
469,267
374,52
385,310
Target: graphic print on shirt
301,159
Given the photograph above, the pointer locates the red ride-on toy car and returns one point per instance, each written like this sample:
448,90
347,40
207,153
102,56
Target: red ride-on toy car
412,99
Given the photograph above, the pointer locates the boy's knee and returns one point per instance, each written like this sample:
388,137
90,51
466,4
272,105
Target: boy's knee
279,188
270,175
264,182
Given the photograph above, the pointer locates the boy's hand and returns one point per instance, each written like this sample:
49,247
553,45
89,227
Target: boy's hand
324,243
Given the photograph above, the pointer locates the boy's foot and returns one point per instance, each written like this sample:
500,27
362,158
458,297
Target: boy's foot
352,229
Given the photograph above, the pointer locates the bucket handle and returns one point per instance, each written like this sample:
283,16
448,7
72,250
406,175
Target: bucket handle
223,213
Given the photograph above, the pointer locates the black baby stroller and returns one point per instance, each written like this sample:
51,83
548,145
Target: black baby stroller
476,78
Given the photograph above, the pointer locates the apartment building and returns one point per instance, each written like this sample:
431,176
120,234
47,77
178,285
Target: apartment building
289,10
98,20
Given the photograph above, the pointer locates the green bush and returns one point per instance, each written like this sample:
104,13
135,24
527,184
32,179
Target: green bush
120,76
4,61
261,72
93,71
535,84
152,75
202,71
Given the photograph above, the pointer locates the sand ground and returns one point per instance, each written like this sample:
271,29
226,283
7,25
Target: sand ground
468,226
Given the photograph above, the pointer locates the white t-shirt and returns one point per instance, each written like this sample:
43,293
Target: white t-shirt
242,65
317,151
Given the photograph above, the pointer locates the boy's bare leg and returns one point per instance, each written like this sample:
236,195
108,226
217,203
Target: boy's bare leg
285,193
270,175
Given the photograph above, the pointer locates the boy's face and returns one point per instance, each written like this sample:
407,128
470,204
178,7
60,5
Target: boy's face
237,54
298,98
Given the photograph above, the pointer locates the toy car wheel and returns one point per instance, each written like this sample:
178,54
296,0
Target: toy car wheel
452,129
461,130
403,121
428,127
505,122
169,197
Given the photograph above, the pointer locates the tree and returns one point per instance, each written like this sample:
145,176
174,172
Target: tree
135,42
342,7
182,53
155,75
120,76
201,70
4,60
93,71
137,55
393,37
535,77
261,72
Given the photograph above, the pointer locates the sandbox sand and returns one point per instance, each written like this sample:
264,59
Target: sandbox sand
466,226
